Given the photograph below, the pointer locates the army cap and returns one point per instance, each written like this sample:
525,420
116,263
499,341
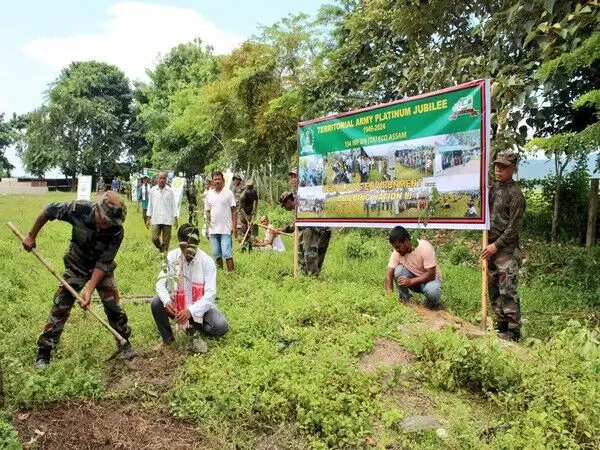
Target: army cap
112,208
293,172
236,176
283,197
506,158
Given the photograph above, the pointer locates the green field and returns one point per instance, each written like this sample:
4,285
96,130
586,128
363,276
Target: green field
291,373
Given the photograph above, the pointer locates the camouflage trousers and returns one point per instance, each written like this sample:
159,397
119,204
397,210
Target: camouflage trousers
312,249
243,222
503,271
192,214
63,302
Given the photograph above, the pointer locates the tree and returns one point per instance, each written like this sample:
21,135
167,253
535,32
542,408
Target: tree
384,51
83,125
6,139
175,85
580,133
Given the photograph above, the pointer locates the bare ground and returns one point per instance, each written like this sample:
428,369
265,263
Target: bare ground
103,425
386,353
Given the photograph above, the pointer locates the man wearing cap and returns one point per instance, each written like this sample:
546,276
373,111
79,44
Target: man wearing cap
237,187
507,206
293,179
247,206
97,233
313,241
163,211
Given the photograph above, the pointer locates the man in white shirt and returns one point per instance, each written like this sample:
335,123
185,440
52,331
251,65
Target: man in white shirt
162,213
187,290
221,216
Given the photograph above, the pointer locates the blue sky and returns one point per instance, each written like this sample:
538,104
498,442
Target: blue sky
41,37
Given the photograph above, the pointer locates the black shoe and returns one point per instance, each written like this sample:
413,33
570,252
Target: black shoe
502,327
510,335
42,359
126,351
436,307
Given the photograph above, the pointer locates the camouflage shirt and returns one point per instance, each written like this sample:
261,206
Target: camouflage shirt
237,193
91,247
507,205
246,201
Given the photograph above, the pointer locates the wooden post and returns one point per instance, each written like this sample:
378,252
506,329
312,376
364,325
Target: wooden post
484,284
590,235
296,241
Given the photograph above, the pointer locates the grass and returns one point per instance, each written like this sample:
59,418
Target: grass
287,369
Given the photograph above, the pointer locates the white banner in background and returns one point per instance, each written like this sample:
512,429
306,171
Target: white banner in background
84,187
177,185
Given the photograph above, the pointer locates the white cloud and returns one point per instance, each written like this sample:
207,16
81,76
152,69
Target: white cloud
132,38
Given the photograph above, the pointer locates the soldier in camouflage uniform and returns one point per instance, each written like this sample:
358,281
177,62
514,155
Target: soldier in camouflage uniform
97,232
507,205
237,187
313,241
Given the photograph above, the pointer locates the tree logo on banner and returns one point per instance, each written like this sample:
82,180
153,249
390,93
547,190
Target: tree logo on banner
464,105
307,141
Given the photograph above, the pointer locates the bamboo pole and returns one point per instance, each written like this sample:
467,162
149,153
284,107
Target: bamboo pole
67,286
484,284
277,231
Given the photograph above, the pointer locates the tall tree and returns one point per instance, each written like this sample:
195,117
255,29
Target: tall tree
173,88
6,139
577,132
383,51
82,126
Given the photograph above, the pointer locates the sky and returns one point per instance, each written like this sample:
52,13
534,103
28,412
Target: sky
40,37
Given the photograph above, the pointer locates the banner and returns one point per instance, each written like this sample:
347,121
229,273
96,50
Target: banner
415,162
84,187
177,185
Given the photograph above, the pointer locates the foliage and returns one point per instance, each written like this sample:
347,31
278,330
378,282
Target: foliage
452,361
82,127
540,195
381,52
170,106
544,407
460,254
9,440
358,248
6,138
290,357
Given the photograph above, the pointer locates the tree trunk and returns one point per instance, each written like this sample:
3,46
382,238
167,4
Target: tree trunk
557,186
590,236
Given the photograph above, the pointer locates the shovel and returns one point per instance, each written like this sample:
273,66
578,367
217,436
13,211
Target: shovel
73,292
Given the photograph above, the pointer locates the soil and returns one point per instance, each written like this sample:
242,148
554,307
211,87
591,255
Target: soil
386,353
436,320
133,417
103,425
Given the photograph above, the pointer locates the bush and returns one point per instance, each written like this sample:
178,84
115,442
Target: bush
550,397
574,194
461,255
9,439
357,247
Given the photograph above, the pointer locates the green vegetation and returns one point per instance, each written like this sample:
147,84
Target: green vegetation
289,365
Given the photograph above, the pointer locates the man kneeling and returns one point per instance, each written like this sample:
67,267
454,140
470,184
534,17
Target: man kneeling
187,290
413,268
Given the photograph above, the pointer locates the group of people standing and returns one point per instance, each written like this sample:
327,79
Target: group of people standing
186,287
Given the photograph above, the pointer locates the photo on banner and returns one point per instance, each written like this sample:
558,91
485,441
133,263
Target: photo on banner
422,160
